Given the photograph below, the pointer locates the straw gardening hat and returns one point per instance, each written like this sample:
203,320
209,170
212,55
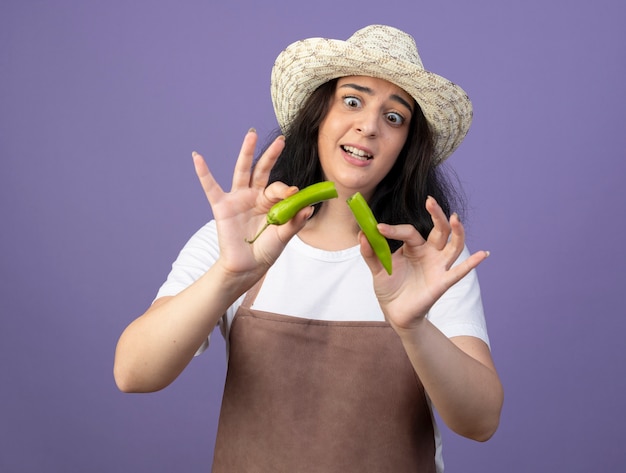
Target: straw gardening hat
377,51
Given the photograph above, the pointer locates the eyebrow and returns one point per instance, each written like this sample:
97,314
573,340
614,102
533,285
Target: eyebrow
368,91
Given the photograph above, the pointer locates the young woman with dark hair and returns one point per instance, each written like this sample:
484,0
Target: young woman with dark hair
334,365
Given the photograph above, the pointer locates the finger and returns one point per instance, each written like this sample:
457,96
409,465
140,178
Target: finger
441,226
275,192
292,227
461,270
456,242
278,191
210,186
405,232
262,169
243,166
369,256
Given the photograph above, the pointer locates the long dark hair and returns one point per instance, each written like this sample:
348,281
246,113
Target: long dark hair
401,196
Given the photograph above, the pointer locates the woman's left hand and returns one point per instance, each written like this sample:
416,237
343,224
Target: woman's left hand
422,269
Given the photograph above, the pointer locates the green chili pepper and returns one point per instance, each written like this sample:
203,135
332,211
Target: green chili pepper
366,220
283,211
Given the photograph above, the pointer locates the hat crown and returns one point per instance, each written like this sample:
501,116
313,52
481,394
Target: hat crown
387,41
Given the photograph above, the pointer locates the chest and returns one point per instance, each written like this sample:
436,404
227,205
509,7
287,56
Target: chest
320,289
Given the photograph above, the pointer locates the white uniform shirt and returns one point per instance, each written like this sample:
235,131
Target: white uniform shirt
326,285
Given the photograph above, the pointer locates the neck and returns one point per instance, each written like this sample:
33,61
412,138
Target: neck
332,228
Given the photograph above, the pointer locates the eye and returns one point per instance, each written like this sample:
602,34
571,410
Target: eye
351,101
395,118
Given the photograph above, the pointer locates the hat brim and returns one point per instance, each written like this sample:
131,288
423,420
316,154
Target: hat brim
305,65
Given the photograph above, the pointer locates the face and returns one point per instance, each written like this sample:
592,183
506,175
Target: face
363,132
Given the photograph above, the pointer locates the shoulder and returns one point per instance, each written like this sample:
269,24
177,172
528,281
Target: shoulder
194,259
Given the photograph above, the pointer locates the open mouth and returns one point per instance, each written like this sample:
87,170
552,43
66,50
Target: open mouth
357,153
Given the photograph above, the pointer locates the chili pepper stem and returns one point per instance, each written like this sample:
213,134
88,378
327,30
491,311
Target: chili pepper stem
267,224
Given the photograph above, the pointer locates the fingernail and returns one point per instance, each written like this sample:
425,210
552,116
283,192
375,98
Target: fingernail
194,153
487,253
252,130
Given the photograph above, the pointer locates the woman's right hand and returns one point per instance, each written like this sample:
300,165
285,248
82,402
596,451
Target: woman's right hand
240,213
157,346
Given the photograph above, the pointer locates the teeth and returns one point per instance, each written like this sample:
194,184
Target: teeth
357,152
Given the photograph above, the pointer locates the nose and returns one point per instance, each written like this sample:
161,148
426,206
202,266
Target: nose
368,124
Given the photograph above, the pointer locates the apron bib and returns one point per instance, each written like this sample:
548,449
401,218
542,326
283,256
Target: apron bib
304,396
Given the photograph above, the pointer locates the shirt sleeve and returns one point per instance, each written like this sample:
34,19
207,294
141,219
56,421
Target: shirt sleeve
195,258
459,312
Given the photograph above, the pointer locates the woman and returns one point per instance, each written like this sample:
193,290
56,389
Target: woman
334,365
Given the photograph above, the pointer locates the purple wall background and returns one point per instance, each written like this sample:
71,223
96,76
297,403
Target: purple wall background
101,104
